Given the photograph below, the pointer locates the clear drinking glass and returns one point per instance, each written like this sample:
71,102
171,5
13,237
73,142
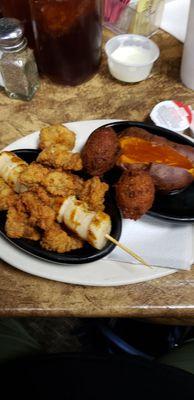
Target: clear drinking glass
68,36
19,9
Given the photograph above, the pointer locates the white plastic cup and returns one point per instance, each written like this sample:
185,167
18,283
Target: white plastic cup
187,69
144,49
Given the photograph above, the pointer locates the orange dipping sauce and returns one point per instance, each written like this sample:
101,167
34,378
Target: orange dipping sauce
137,150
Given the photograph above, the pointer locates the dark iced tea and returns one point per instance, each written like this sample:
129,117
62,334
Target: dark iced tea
19,9
68,37
1,14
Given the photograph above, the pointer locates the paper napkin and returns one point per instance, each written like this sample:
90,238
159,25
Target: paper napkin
158,242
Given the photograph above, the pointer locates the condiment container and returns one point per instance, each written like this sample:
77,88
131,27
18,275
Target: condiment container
141,17
17,64
187,64
68,36
172,115
131,57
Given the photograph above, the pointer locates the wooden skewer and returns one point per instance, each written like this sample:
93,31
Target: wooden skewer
129,251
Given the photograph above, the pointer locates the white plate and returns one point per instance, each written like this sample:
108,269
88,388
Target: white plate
98,273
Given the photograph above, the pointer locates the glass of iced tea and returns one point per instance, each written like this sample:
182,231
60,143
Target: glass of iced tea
19,9
68,35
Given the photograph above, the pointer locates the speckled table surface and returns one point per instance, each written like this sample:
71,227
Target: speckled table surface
168,299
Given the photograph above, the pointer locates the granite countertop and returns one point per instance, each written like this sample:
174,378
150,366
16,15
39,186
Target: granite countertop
171,297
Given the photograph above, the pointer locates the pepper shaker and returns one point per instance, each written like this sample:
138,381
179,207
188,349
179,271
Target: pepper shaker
17,64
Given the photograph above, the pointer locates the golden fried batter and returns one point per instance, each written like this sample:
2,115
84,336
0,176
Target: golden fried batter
7,196
43,195
18,225
62,183
57,156
33,174
78,184
20,206
56,203
52,201
40,214
135,193
100,152
56,239
93,193
57,134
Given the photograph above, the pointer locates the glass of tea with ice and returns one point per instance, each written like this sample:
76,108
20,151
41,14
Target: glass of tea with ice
68,36
19,9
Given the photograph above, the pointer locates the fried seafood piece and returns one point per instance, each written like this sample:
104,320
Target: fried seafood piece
135,193
93,193
56,239
62,183
51,201
56,134
56,203
40,214
100,151
58,156
42,194
7,196
34,174
18,225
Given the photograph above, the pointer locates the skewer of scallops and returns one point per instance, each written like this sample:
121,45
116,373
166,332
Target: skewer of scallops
94,227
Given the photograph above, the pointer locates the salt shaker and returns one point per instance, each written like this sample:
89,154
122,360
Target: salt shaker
17,64
187,69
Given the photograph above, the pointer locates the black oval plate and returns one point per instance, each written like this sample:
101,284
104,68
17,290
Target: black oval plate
87,253
179,206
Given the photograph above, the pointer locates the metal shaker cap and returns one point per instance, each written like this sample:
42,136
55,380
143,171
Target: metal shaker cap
11,35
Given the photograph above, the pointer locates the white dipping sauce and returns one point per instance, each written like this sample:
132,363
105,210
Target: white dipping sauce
131,55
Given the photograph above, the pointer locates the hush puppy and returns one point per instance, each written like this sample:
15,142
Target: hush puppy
135,193
100,151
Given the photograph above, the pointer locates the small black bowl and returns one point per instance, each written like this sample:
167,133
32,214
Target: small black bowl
87,253
177,206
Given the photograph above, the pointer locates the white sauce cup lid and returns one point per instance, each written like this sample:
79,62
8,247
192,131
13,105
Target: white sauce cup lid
172,115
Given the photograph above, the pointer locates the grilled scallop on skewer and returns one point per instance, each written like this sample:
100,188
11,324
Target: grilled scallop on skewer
11,167
89,225
95,227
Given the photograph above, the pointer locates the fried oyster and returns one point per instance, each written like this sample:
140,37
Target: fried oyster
62,183
18,225
56,239
33,174
57,156
40,214
56,134
93,193
7,196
